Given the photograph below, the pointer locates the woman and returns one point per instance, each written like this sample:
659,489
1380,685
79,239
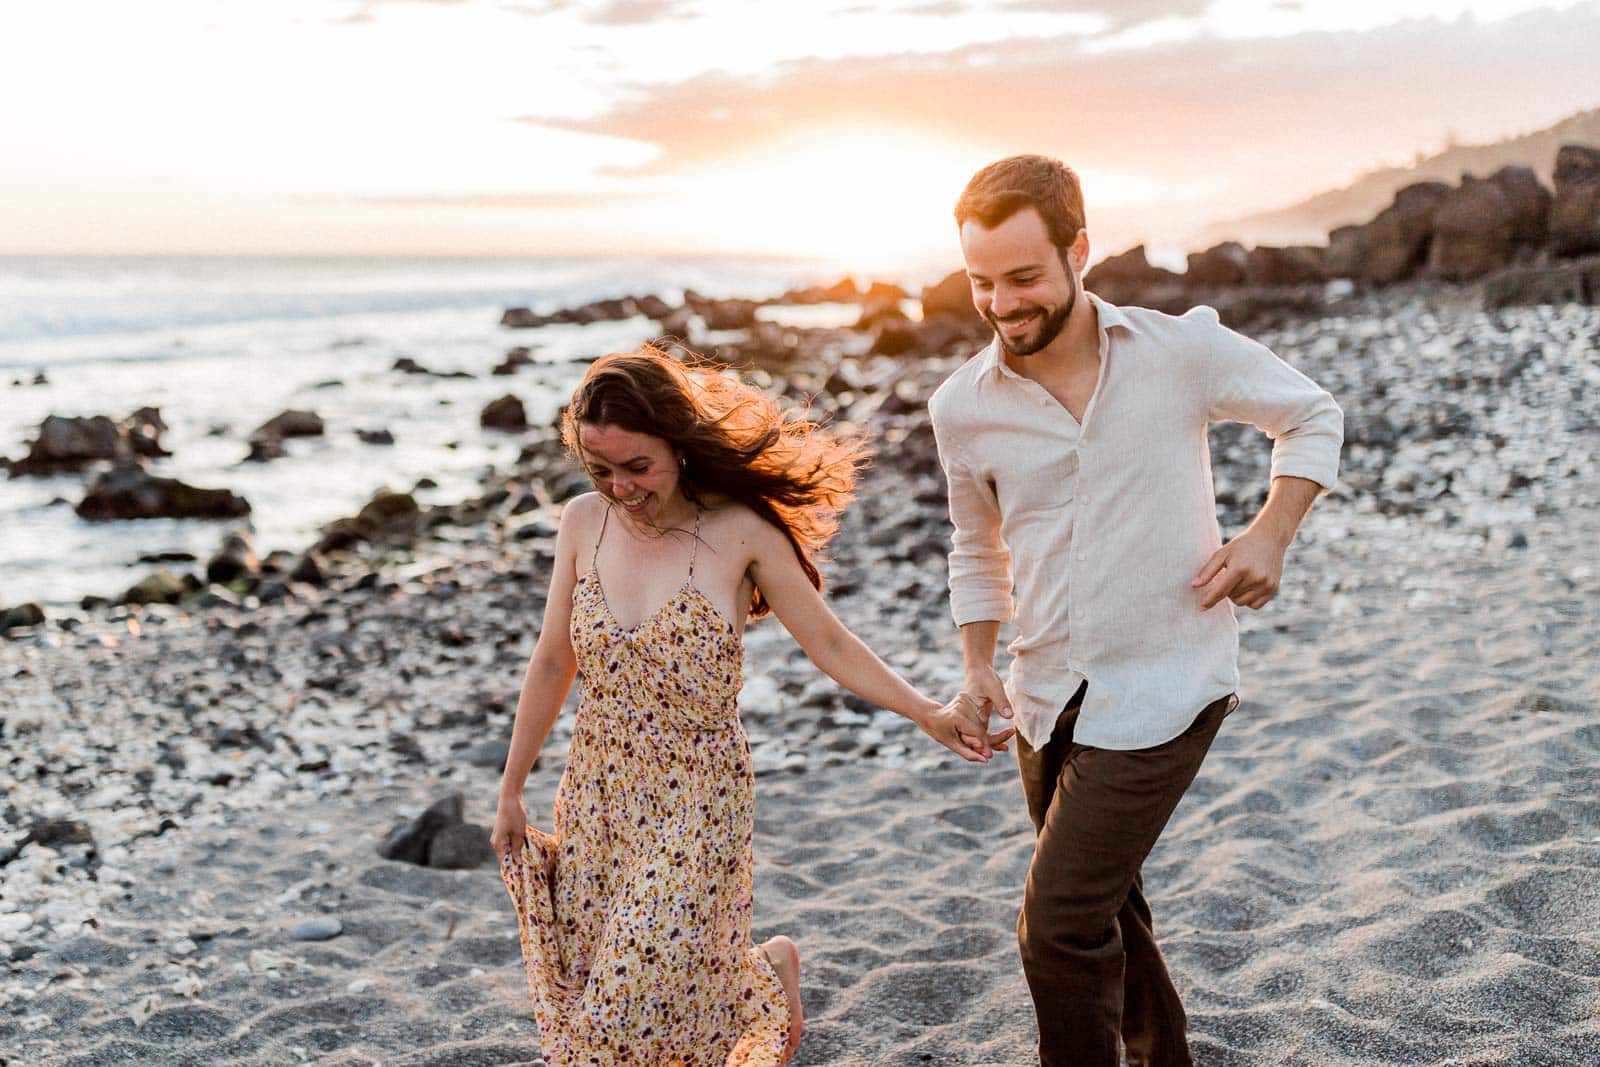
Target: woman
709,506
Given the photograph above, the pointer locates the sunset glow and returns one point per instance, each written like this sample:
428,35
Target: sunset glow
836,129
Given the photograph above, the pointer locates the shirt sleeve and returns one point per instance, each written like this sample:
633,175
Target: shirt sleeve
1246,382
980,562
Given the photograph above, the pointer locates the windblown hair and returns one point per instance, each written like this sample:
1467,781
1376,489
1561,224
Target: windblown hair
735,441
1005,187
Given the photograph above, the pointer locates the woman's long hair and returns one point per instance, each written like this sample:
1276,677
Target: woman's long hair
735,441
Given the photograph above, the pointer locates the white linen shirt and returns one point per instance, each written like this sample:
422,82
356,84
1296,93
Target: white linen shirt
1102,526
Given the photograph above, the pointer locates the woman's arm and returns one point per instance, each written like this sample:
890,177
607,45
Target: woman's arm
846,659
551,669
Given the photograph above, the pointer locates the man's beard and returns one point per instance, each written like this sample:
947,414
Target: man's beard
1050,327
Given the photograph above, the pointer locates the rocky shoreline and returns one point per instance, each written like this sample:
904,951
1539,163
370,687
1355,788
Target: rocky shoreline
304,706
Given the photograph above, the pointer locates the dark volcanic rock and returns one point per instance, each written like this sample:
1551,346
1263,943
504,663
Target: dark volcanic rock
893,337
506,413
130,492
1396,242
161,586
442,826
460,847
144,428
376,437
722,314
291,424
1530,203
1129,278
265,448
1272,267
1575,212
1347,246
1222,266
1472,231
1559,284
952,297
234,558
66,444
29,614
389,518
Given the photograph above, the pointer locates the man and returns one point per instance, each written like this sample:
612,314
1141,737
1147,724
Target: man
1079,472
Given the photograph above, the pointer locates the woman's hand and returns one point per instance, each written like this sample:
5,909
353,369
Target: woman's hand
510,825
962,726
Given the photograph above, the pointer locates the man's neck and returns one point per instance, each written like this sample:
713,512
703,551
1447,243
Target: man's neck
1076,349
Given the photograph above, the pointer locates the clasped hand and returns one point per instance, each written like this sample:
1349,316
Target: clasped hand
962,726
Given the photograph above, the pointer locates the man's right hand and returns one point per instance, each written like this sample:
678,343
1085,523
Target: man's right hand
985,685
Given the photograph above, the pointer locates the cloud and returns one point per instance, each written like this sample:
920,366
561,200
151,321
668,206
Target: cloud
636,12
1117,15
1334,102
535,201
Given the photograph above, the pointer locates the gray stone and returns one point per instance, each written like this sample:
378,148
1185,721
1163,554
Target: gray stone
321,928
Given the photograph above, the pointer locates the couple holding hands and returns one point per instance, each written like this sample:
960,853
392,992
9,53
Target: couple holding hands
1081,496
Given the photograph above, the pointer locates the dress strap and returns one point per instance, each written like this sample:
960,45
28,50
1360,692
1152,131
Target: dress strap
694,542
594,560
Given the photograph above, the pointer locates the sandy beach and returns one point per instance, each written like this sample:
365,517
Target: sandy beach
1389,856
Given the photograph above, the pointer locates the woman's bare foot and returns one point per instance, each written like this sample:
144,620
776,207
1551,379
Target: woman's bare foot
785,959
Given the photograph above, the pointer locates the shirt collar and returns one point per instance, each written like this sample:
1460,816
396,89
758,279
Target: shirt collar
1109,315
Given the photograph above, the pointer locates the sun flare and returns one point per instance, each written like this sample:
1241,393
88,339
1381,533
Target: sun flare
851,194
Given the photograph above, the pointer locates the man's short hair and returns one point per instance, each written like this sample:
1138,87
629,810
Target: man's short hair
1003,188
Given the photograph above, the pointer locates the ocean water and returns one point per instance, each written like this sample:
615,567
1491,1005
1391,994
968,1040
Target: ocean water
222,344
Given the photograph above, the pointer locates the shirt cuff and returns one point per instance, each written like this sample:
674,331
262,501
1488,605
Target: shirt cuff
979,607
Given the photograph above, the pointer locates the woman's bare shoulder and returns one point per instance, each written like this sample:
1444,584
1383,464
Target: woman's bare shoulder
582,510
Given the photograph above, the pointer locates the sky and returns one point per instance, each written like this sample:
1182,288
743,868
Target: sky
838,128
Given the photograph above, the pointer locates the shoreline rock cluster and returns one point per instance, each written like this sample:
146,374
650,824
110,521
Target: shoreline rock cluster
1528,244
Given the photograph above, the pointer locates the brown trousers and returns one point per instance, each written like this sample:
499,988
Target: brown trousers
1088,947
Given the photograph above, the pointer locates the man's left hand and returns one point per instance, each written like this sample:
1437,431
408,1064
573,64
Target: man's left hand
1246,571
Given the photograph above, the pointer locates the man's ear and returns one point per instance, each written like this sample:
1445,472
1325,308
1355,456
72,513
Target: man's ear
1078,251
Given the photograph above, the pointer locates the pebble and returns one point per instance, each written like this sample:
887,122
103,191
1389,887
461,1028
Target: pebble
13,923
318,929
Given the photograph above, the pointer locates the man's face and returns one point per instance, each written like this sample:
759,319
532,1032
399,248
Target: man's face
1019,283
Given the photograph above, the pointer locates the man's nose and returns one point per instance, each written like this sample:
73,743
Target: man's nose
1003,302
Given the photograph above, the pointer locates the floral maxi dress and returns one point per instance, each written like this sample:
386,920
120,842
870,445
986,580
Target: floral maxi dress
634,915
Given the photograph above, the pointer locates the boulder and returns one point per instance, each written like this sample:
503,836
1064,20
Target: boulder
1562,284
66,444
1221,266
520,319
291,424
234,558
884,293
1472,231
1530,203
1396,242
375,437
407,365
952,296
263,449
722,314
1347,247
144,428
29,614
651,307
128,491
389,518
439,837
893,337
506,413
1270,267
161,586
1575,211
1128,278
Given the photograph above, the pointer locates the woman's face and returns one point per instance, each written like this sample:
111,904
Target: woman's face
639,473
